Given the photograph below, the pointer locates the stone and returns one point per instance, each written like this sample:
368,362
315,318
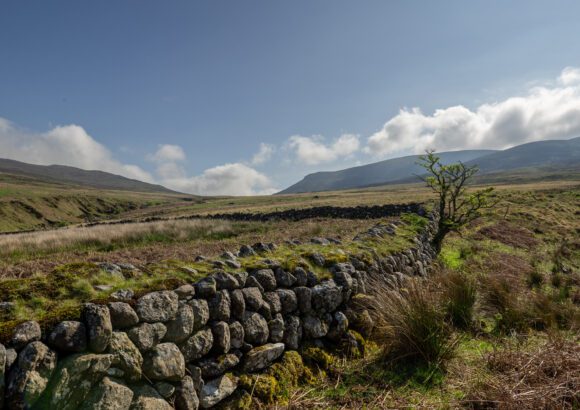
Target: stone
314,327
24,334
320,241
241,277
185,292
343,279
276,329
68,336
343,267
312,279
7,307
198,345
166,390
164,362
11,356
181,327
233,264
238,304
284,279
220,306
338,327
146,398
326,297
102,288
112,269
215,366
273,301
304,299
206,288
266,278
246,250
157,306
255,328
108,394
219,264
99,327
186,395
216,390
147,335
262,356
318,259
200,313
29,376
195,373
3,368
301,277
126,356
253,298
123,295
73,380
221,337
122,315
252,282
236,335
288,300
225,280
292,332
260,247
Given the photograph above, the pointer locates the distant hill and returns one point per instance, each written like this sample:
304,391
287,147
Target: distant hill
71,175
378,173
553,155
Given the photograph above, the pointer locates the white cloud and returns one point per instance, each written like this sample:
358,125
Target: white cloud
227,179
264,154
546,112
66,145
168,152
313,151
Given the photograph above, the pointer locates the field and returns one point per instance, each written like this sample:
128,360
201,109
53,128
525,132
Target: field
521,261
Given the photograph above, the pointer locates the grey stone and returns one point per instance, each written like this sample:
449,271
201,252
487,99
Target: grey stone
126,356
68,336
262,356
108,394
292,332
164,362
157,306
215,366
25,333
216,390
227,255
146,398
260,247
252,282
11,356
181,327
246,250
195,372
220,306
312,279
238,304
123,295
200,313
122,315
236,335
338,327
253,298
99,327
221,337
233,264
273,301
7,307
304,298
73,381
112,269
206,288
241,277
301,277
266,278
102,288
318,259
186,395
326,297
147,335
344,279
255,328
314,327
185,292
276,329
166,390
198,345
288,300
284,279
320,241
225,280
29,376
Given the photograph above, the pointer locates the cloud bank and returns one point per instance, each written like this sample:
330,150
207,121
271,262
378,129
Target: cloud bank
543,113
313,151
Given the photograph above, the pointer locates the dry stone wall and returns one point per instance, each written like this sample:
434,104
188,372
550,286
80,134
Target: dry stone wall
185,348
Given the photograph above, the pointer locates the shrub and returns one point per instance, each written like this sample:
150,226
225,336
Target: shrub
459,294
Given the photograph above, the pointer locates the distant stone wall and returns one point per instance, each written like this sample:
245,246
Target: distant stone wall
186,348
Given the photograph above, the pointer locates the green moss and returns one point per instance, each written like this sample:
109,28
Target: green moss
262,386
318,356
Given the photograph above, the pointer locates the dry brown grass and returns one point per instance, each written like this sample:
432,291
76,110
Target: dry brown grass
509,234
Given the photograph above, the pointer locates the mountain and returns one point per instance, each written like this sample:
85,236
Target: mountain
552,155
378,173
71,175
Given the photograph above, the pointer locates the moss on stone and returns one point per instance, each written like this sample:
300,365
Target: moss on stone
318,356
262,386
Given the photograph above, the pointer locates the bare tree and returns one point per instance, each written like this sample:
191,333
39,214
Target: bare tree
456,207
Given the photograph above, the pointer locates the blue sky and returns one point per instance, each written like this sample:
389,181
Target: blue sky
243,97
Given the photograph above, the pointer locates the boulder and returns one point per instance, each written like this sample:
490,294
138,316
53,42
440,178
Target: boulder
304,299
221,337
238,304
185,292
147,335
220,306
241,277
326,297
29,376
284,279
186,395
287,300
206,288
314,327
198,345
301,277
122,315
262,356
253,298
276,329
108,394
215,366
164,362
157,306
255,328
24,334
181,327
252,282
225,281
266,278
126,356
146,398
273,301
68,336
200,313
99,327
123,295
292,332
165,389
246,250
216,390
11,356
236,335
